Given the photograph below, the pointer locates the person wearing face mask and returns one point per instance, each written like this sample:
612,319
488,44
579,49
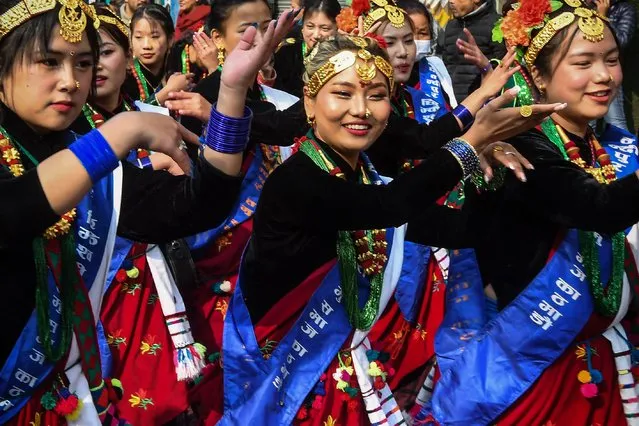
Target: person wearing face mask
430,75
319,22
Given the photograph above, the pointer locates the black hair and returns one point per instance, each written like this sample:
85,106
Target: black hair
331,8
413,7
174,61
31,37
114,32
221,11
156,13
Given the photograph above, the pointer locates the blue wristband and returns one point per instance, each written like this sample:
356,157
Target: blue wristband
95,154
462,113
145,163
226,134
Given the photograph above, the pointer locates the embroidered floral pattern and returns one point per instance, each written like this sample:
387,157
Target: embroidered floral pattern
36,420
330,421
130,288
116,339
224,241
140,399
150,346
222,306
152,299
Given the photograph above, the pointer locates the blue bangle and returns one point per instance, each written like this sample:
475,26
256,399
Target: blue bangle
486,68
145,163
465,155
462,113
226,134
95,154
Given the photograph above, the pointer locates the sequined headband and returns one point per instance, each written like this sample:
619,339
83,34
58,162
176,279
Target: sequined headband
528,15
72,17
114,20
346,59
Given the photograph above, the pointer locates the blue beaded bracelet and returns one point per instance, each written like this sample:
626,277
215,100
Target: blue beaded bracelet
226,134
465,155
462,113
95,154
145,163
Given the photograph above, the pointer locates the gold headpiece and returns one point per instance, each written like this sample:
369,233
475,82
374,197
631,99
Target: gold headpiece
383,8
114,20
346,59
72,16
528,15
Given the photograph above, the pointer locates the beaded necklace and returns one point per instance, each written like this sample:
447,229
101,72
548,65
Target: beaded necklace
141,80
407,108
303,49
186,64
68,279
365,248
606,302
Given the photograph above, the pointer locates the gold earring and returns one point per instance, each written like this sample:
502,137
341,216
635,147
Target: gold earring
367,113
77,84
220,56
612,80
310,120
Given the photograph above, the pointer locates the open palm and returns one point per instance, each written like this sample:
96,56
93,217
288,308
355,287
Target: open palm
253,50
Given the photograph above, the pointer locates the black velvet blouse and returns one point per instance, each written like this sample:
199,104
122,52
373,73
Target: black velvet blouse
130,86
156,207
514,228
289,66
302,208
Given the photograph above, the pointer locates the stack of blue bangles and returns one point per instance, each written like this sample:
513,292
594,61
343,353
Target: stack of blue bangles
465,155
95,154
226,134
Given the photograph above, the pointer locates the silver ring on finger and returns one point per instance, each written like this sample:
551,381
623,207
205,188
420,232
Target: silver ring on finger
509,153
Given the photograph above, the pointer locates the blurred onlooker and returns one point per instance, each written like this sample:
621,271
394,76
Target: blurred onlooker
479,18
128,8
623,20
192,16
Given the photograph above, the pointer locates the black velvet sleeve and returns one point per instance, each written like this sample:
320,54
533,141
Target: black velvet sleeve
441,226
23,217
159,207
563,193
316,200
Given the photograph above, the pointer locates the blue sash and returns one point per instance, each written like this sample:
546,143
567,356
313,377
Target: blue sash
245,207
429,101
527,336
271,391
26,368
410,288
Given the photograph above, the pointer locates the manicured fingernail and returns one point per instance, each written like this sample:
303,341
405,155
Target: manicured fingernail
523,178
514,90
560,107
511,166
487,177
530,167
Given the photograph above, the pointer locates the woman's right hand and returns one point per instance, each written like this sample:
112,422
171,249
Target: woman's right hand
206,51
179,81
494,123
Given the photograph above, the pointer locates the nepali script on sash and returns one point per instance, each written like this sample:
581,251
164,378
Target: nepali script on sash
527,336
273,390
26,368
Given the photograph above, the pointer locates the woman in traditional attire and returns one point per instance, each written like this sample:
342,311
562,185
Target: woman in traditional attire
288,359
141,298
59,255
560,251
152,35
319,22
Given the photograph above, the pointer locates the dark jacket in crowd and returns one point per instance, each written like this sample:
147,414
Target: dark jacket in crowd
623,20
466,77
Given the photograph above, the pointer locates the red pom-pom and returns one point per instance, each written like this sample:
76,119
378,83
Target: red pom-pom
318,402
360,6
120,276
390,370
589,390
379,383
302,414
381,41
353,405
66,406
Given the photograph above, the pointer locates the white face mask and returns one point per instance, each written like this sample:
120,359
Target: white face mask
423,49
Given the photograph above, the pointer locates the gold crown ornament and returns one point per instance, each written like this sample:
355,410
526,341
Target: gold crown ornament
372,11
346,59
113,19
72,16
527,15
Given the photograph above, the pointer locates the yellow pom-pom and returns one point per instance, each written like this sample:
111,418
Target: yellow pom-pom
374,370
76,413
133,273
584,376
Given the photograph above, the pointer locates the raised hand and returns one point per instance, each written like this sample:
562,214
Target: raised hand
189,103
502,153
495,81
206,51
471,51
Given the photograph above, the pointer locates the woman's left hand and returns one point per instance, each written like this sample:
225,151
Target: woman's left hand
503,154
253,51
189,103
162,161
206,51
